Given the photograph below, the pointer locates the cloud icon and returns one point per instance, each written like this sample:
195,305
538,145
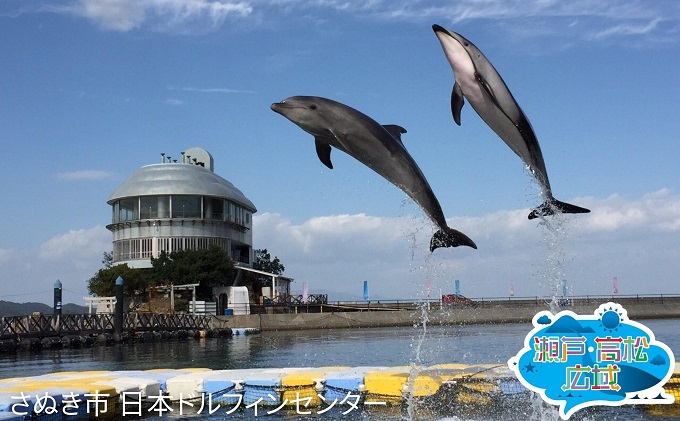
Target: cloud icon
568,324
658,360
544,320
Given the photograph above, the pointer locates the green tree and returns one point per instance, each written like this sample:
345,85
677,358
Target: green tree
103,283
263,261
208,268
107,259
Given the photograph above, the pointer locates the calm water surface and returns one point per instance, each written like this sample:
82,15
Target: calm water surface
315,348
346,347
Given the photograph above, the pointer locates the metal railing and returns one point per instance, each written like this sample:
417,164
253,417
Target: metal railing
584,299
42,325
290,304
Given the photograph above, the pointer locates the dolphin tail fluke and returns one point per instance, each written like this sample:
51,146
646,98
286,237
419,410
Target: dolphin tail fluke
553,206
449,237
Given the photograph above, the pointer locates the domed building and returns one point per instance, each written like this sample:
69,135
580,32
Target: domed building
179,204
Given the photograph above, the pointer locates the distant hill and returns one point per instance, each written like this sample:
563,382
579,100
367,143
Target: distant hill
8,308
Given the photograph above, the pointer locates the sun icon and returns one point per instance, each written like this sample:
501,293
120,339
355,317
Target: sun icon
610,319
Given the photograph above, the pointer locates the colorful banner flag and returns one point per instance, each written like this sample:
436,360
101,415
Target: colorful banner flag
304,291
512,288
457,286
428,287
615,285
366,290
565,290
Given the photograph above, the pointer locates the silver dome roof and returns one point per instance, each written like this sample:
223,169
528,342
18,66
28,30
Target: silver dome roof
174,178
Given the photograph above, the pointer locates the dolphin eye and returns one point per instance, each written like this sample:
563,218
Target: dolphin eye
312,107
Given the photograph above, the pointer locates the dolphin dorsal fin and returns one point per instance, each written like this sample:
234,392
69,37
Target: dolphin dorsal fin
395,130
323,150
457,102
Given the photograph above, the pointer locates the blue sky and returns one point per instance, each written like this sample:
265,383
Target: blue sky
93,90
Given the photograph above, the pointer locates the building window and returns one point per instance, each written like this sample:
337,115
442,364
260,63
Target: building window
142,248
240,253
231,217
154,207
164,245
176,244
128,209
147,244
239,215
186,206
213,208
164,206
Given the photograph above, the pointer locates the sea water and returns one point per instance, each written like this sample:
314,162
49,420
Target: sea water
403,346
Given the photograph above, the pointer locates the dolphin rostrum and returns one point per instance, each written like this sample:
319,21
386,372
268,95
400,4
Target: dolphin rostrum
376,146
479,82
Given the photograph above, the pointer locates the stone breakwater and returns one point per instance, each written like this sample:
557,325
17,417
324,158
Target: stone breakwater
106,338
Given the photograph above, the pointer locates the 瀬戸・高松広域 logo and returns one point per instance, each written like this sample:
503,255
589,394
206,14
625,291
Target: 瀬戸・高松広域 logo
576,361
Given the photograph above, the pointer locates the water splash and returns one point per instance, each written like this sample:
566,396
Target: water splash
416,365
554,234
542,411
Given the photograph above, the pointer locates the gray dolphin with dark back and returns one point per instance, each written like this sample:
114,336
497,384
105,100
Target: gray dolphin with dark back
479,82
376,146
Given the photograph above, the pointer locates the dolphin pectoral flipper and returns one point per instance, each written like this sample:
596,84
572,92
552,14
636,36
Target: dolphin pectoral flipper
457,102
553,206
323,150
394,130
449,237
488,90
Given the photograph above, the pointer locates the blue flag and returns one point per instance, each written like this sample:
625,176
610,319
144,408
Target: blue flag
365,290
457,286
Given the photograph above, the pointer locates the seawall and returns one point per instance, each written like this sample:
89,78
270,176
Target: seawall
457,314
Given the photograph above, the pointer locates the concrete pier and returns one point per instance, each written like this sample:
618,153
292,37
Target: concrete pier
511,311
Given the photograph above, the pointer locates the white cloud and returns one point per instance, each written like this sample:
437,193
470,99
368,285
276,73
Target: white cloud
77,245
119,15
211,90
164,15
5,255
28,274
84,175
173,102
629,29
633,239
489,9
654,212
575,20
580,19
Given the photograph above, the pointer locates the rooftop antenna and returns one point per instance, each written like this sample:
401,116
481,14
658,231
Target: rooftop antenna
163,157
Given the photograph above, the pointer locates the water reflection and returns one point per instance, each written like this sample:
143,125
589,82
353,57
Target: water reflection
345,347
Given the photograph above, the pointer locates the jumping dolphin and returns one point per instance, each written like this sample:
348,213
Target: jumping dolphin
479,82
376,146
